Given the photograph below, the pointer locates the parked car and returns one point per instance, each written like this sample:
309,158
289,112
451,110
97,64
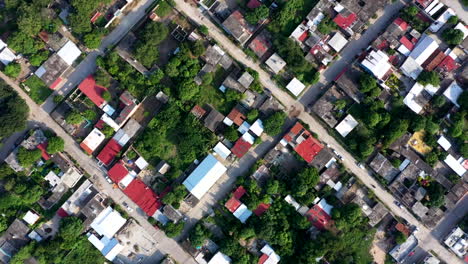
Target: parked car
398,204
109,179
361,165
127,207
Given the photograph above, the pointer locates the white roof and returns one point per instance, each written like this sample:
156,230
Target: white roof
108,109
257,127
325,206
267,250
69,52
411,68
455,165
242,213
337,42
52,178
430,6
71,177
121,137
295,86
228,121
290,200
7,56
404,50
127,179
31,217
297,33
347,125
204,176
431,89
160,217
108,120
437,25
112,249
39,72
108,222
410,98
222,150
248,138
141,163
338,186
244,127
377,63
338,8
94,139
276,63
424,48
220,258
444,143
2,44
463,28
97,243
35,236
453,92
435,9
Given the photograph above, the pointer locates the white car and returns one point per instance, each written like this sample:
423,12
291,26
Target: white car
127,207
360,165
109,180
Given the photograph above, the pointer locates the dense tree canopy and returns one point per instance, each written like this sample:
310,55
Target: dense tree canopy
429,77
55,144
452,36
257,14
146,50
274,123
27,157
13,69
13,113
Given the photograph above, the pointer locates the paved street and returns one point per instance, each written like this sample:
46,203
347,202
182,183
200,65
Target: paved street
349,53
462,11
428,241
88,65
164,245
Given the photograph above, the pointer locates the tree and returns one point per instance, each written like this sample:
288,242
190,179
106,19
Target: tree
463,100
173,230
435,195
107,130
74,118
431,127
37,58
198,235
106,95
453,20
464,149
367,83
340,104
231,134
13,69
432,158
372,119
396,129
13,113
102,78
429,77
154,33
456,130
233,95
400,238
55,144
252,115
272,187
27,157
207,78
188,89
198,48
452,36
25,44
147,53
90,115
274,123
347,216
418,123
92,40
438,101
257,14
58,98
326,26
305,181
203,29
175,196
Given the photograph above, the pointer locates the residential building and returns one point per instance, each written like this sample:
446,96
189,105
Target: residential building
220,258
268,256
302,141
457,241
456,165
320,214
13,239
204,176
92,141
275,63
109,152
400,252
295,87
453,92
440,22
412,67
213,120
384,167
377,63
221,150
346,125
261,44
236,116
94,92
324,107
337,42
237,26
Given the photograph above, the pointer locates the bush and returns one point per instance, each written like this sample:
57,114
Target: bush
39,92
203,29
55,144
453,20
400,238
257,14
13,69
172,230
452,36
326,26
198,48
429,77
274,123
37,58
106,95
57,99
163,9
27,157
74,118
90,115
92,40
231,134
107,131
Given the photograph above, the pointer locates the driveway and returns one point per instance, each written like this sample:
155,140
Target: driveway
291,105
88,65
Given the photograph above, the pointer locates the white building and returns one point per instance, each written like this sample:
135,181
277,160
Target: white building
31,218
221,150
424,48
7,56
69,52
242,213
377,63
52,178
295,87
463,29
204,176
257,127
347,125
453,92
455,165
444,143
220,258
337,42
92,141
437,25
275,63
419,96
269,256
400,252
457,241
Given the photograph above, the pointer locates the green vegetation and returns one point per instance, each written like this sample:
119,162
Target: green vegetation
290,14
57,99
458,130
172,230
302,186
82,11
55,144
107,130
203,29
39,92
453,20
13,113
274,123
92,40
400,238
106,95
198,235
38,58
13,70
463,100
146,49
409,14
175,196
90,115
429,77
260,13
198,48
102,78
163,9
452,36
231,134
326,26
435,195
74,118
27,157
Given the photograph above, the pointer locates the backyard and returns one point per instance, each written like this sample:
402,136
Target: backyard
38,91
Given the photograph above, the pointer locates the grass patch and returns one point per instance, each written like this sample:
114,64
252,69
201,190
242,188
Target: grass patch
210,94
38,90
163,9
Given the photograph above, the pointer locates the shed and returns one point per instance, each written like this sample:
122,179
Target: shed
204,176
31,218
295,86
7,56
347,125
455,165
141,163
453,92
222,150
444,143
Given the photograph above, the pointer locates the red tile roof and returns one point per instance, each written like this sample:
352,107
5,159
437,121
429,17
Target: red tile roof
345,22
448,64
423,3
109,152
309,148
43,148
254,4
262,208
198,111
95,17
407,43
239,192
303,37
232,204
401,23
260,45
55,83
318,217
86,148
263,258
236,116
62,213
93,91
118,172
143,196
241,147
403,228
